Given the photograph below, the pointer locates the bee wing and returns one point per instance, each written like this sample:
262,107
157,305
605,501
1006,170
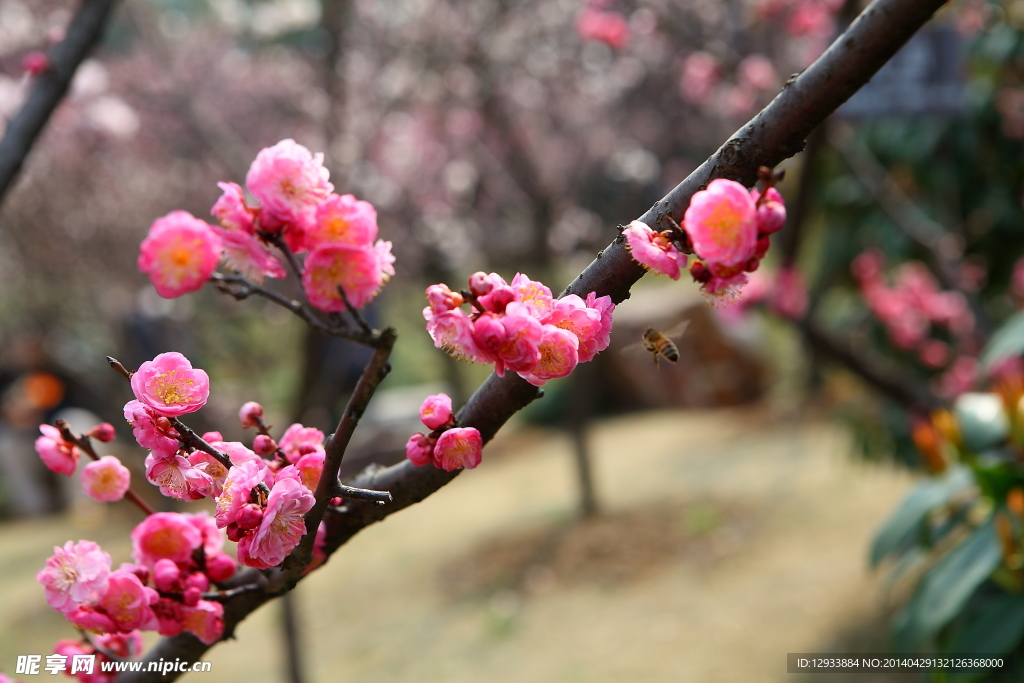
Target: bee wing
636,349
677,332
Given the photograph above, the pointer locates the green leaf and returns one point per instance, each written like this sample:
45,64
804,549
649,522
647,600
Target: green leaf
944,590
982,420
1006,342
995,627
902,527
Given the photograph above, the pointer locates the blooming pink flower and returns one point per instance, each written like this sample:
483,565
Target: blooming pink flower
238,486
106,479
282,526
205,620
310,466
151,431
458,448
231,211
91,617
167,535
510,341
177,477
343,219
721,222
298,441
559,355
125,645
497,298
610,28
56,453
289,182
701,72
74,574
599,341
179,254
572,314
250,414
453,332
169,386
245,254
436,411
534,295
360,271
212,484
212,536
419,449
653,251
126,601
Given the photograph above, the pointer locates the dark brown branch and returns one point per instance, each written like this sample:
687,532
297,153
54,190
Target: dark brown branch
190,438
344,491
84,32
84,444
775,134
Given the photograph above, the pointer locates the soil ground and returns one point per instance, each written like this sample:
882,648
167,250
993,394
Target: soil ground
728,538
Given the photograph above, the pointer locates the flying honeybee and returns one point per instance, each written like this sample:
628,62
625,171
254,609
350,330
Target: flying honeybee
659,343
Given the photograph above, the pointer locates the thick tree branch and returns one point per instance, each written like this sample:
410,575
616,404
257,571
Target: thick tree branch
775,134
84,32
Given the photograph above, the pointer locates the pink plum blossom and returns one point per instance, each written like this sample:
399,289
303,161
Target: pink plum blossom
205,620
290,182
534,295
179,254
169,386
721,223
592,345
74,574
106,479
419,449
126,601
151,431
57,454
125,645
343,219
245,254
215,471
310,466
230,209
458,448
510,341
360,271
653,250
177,477
238,486
282,526
452,331
436,411
212,536
559,355
443,299
167,535
572,314
298,441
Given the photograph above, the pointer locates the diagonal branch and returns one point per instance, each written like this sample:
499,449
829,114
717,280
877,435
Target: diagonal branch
84,32
775,134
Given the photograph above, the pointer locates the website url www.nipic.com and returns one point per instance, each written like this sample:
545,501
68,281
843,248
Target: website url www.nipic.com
73,664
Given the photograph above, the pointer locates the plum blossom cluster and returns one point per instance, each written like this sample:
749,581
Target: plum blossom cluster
176,559
448,446
518,326
105,479
726,227
918,316
298,211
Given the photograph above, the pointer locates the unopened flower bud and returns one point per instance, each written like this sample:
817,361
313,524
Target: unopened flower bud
700,272
264,445
220,567
198,580
337,500
762,247
210,437
234,532
251,414
250,516
103,432
479,284
497,299
192,596
166,576
35,63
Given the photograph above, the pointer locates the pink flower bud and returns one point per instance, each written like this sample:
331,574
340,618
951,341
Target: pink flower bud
103,432
479,284
497,299
251,414
337,500
198,580
419,450
166,576
264,445
771,213
249,516
234,532
35,63
436,411
192,596
220,567
210,437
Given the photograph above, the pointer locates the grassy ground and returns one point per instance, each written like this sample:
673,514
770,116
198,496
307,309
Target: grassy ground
729,539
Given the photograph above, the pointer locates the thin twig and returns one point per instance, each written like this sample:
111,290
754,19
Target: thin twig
354,312
84,443
289,255
190,438
345,491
